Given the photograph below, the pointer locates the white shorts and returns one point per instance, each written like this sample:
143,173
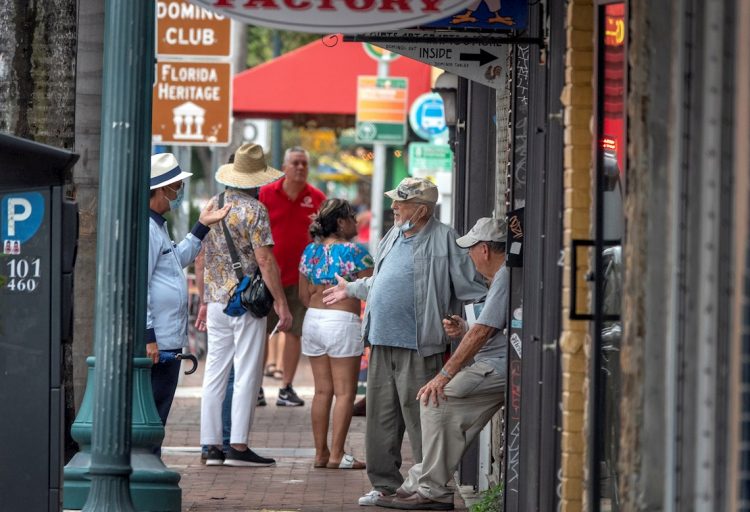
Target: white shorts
331,332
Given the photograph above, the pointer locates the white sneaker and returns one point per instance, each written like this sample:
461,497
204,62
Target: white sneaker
370,498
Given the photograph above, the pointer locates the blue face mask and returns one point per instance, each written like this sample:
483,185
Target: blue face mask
175,203
409,224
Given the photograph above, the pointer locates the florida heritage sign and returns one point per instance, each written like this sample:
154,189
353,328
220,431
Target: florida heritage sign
330,16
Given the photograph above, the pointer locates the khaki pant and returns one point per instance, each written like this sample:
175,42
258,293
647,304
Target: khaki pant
474,395
394,376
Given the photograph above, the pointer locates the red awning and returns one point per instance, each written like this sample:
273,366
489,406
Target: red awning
316,80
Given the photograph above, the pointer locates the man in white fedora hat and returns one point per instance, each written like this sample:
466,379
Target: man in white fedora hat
167,311
238,340
420,276
464,395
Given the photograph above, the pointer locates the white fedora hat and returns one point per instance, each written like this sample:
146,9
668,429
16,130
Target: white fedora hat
166,170
249,169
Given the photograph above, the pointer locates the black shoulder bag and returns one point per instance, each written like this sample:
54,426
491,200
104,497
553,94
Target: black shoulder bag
250,293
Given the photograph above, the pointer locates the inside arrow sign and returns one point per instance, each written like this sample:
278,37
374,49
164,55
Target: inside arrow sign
484,57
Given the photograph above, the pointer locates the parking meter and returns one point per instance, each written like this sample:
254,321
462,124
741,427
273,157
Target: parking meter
38,238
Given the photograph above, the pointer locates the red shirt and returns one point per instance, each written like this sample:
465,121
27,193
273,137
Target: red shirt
290,221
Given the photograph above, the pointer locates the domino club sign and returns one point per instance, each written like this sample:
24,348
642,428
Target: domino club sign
330,16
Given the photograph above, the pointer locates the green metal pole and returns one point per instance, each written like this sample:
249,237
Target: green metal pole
276,132
121,242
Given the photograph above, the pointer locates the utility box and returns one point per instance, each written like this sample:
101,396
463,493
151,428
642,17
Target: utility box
38,237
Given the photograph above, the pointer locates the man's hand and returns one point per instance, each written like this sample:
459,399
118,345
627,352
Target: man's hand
285,316
200,320
455,327
433,389
152,351
336,293
210,215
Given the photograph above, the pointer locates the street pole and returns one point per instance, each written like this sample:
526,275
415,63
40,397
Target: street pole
377,189
277,134
121,243
181,225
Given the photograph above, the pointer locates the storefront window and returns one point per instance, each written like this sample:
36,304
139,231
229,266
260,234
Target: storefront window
611,160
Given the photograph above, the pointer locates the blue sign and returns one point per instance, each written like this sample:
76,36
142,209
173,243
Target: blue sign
21,215
427,116
488,15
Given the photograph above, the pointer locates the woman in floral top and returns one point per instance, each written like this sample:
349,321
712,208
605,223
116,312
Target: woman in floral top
331,335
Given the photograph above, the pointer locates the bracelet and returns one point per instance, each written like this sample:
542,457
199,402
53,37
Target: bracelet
445,374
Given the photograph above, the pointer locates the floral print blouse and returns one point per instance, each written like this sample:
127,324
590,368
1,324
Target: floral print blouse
320,263
249,228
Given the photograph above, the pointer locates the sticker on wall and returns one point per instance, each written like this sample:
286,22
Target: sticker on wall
517,321
514,255
515,341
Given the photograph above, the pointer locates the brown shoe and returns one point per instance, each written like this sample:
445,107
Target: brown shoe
416,502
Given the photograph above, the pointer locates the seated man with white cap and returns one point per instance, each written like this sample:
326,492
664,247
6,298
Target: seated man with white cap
167,311
459,401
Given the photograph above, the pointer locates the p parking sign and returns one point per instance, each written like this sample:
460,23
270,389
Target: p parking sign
21,216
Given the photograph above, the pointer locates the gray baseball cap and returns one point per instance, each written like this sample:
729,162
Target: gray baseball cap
485,230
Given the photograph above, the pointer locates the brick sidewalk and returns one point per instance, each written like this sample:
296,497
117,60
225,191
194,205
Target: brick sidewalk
283,433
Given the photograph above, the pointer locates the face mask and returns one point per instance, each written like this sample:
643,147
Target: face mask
409,224
175,203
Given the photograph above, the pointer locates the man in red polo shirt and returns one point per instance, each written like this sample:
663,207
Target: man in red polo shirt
290,202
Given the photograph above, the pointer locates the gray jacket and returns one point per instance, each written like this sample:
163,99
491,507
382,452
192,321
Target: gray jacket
444,276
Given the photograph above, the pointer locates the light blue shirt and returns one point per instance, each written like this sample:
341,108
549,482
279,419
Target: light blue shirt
391,299
167,309
495,314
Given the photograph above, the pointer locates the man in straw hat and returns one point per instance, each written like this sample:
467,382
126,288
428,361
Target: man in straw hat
290,202
238,340
167,312
459,401
420,276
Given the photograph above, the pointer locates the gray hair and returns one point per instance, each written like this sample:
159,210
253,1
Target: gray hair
295,149
496,247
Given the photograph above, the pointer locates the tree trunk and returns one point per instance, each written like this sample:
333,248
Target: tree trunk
37,99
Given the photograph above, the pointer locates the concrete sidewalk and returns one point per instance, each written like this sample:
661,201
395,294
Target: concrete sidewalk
283,433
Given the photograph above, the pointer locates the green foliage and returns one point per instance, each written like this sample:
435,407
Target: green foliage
491,501
260,43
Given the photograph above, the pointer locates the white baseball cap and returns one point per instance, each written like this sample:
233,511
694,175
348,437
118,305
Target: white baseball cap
486,229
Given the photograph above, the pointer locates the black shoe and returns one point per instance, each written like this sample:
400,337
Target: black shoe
360,408
288,398
246,458
261,401
215,456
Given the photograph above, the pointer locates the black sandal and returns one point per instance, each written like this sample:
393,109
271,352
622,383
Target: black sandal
270,370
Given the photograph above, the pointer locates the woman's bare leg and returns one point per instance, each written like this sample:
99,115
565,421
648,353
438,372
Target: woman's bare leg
321,406
344,371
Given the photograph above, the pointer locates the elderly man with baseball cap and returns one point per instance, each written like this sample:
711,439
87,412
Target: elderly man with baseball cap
167,311
420,276
459,401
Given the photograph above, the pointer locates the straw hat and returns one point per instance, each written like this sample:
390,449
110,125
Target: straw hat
165,170
249,169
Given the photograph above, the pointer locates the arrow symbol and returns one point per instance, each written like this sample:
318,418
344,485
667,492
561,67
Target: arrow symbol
484,57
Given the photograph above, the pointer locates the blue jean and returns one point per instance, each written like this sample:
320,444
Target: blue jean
226,410
226,413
